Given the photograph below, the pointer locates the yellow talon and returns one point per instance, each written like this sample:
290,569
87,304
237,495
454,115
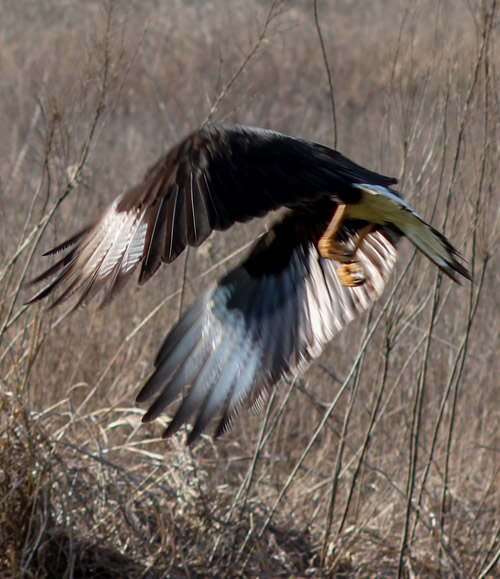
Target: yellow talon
351,274
334,251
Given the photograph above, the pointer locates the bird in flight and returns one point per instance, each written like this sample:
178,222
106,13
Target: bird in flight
323,262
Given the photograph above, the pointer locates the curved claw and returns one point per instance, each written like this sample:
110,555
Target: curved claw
351,274
336,251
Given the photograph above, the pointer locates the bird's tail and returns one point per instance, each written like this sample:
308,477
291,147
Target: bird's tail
435,246
387,206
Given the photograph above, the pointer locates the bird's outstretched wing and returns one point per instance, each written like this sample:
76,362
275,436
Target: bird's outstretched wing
215,177
263,322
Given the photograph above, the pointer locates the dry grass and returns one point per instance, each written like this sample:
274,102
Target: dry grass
384,458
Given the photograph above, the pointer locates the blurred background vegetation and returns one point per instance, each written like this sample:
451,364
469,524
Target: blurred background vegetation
384,458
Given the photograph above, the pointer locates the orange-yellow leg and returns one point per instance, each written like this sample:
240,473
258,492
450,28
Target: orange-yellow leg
350,273
361,237
327,246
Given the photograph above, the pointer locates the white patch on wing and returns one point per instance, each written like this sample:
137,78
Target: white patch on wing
136,246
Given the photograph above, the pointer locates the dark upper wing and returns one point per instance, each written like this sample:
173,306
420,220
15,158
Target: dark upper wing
263,322
217,176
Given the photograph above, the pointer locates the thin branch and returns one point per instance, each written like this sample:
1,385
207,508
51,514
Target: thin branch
328,73
226,90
